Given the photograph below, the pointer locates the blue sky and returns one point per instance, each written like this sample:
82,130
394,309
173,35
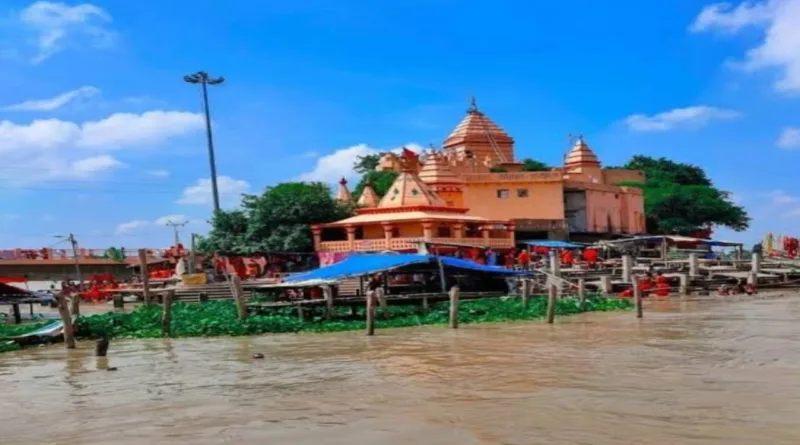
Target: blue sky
102,138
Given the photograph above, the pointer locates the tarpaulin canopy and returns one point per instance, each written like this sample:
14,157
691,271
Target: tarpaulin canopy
553,244
365,264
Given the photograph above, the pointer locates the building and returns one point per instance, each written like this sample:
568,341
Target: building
419,207
42,267
477,169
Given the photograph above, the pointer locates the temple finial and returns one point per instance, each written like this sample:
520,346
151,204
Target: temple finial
343,181
473,105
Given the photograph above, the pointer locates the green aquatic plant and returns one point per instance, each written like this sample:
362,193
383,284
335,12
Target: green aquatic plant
219,318
13,330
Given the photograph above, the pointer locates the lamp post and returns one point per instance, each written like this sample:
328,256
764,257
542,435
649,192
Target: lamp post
202,78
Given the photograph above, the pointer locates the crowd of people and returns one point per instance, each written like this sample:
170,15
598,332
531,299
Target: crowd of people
536,257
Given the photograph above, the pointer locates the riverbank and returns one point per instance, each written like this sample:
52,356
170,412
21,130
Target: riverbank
219,318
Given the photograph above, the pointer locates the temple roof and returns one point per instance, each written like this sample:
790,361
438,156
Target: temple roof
411,215
343,194
368,197
581,155
435,170
408,190
476,127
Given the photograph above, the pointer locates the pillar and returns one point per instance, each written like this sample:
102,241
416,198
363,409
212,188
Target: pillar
693,265
351,236
627,268
512,233
427,230
683,288
317,233
458,231
387,233
485,234
755,263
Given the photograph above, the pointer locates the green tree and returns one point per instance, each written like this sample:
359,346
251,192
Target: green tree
277,220
380,180
367,163
532,165
680,198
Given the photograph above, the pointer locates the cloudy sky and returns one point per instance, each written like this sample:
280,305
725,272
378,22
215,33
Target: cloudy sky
99,135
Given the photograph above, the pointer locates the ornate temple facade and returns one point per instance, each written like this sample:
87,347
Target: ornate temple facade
475,191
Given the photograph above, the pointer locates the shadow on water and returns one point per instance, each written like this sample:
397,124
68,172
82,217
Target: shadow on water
691,372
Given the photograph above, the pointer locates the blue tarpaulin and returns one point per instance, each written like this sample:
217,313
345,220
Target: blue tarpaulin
553,244
365,264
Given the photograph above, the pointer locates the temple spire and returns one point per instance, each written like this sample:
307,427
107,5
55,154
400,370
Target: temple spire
368,197
343,194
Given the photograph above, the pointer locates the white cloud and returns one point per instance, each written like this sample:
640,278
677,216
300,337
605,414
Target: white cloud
55,149
159,173
724,17
53,103
122,129
332,167
230,191
57,25
94,165
130,226
694,116
781,197
173,219
789,138
780,47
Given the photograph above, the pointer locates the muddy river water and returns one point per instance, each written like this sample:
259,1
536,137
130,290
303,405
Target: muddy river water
690,373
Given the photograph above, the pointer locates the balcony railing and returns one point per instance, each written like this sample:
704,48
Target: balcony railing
381,244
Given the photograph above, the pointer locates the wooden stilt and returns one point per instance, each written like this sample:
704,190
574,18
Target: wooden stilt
637,297
370,316
145,276
552,291
454,297
166,315
66,318
238,296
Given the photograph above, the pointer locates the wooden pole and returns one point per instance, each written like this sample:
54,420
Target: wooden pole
627,268
454,295
17,314
755,263
683,288
370,316
203,297
425,308
101,347
145,276
166,315
119,302
526,290
605,285
637,299
582,292
63,310
238,296
552,291
328,292
441,275
693,265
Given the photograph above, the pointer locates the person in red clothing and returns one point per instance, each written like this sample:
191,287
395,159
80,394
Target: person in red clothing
590,256
566,257
662,285
524,259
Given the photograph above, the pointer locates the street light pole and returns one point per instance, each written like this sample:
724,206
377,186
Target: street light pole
204,80
75,298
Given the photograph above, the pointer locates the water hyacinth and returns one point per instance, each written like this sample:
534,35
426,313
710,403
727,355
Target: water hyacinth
218,318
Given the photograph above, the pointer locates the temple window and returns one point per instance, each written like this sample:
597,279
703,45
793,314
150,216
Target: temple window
522,193
395,232
444,232
502,193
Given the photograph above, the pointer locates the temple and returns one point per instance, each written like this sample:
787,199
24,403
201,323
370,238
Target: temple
475,191
418,207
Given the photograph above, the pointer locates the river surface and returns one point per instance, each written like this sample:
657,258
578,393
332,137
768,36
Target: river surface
690,373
